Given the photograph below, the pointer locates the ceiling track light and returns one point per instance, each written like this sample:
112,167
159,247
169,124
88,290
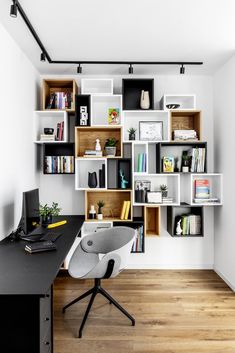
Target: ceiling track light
79,69
131,69
13,10
43,57
182,70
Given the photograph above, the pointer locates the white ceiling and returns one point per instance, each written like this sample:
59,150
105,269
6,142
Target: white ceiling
168,30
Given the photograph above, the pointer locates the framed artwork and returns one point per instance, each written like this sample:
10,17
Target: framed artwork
168,164
114,116
151,130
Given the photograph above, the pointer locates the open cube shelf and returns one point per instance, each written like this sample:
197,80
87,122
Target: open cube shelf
152,220
138,225
131,90
140,152
185,120
114,167
83,166
102,107
185,101
82,105
58,158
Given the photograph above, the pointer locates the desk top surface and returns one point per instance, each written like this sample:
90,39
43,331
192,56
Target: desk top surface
22,273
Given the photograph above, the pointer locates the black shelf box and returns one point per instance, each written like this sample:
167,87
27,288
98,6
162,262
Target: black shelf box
135,224
183,209
175,149
82,100
114,166
58,149
131,90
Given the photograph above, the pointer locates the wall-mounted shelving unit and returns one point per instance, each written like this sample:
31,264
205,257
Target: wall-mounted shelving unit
152,220
185,120
85,165
185,101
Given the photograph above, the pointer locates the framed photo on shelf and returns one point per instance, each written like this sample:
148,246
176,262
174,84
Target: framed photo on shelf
168,164
151,130
154,197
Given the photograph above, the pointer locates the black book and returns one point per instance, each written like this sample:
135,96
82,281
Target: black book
102,183
40,247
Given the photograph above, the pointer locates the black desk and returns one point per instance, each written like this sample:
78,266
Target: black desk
26,291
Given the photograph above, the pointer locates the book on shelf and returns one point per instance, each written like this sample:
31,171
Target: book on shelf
141,162
139,240
191,224
203,200
168,164
60,100
123,210
167,200
197,159
47,138
184,135
202,189
93,153
58,164
60,131
126,205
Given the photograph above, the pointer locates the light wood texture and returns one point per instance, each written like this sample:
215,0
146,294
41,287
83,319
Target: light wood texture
51,86
186,120
113,200
176,312
85,138
152,220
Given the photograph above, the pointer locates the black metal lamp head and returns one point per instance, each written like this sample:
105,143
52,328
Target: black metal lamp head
182,70
79,69
43,57
131,69
13,11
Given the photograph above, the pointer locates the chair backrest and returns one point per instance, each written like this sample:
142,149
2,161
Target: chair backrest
91,257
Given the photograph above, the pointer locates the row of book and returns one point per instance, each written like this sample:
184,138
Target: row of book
202,192
58,164
138,244
190,224
60,100
59,136
125,210
142,162
198,157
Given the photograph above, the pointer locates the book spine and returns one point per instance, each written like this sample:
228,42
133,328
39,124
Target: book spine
123,210
127,209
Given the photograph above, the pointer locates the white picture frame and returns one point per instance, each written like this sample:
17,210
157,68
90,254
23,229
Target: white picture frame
151,130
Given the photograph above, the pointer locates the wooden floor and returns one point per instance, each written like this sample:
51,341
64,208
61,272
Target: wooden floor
175,312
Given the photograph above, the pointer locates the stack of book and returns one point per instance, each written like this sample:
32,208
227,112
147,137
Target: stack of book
138,244
202,192
167,200
47,138
184,135
60,100
93,153
197,160
190,224
59,164
125,210
141,167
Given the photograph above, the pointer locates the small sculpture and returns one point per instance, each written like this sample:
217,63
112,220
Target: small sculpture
124,182
97,145
178,228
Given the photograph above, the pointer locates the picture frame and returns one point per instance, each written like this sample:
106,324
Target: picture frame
151,130
168,164
154,197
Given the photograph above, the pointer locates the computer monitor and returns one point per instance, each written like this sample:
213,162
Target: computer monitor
30,217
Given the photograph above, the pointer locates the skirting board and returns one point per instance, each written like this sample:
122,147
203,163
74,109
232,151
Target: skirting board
169,267
221,275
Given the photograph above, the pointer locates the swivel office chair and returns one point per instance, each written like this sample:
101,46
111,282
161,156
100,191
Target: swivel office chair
101,255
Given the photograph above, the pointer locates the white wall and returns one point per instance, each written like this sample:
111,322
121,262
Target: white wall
224,139
163,251
18,99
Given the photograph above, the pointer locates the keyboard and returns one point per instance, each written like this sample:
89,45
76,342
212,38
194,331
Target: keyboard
52,236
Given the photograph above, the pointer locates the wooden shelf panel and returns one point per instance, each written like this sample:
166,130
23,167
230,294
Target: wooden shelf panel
85,138
152,220
113,203
185,120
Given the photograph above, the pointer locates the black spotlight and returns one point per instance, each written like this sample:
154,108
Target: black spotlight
79,69
131,69
43,57
182,70
13,11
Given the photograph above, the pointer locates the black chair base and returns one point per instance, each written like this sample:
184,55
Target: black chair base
94,291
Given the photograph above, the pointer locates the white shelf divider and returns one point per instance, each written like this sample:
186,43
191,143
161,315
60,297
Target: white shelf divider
85,165
186,101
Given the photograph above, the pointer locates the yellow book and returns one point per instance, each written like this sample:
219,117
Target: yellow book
127,209
123,210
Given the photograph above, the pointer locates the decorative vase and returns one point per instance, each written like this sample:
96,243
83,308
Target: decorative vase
47,219
92,212
92,180
131,137
144,100
100,216
110,151
97,145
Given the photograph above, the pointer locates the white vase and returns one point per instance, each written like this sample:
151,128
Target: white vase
99,216
97,145
144,100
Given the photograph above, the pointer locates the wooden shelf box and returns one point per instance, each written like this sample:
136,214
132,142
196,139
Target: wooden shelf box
51,86
131,91
85,138
186,101
97,86
183,209
113,203
100,106
185,120
152,220
85,165
49,119
65,149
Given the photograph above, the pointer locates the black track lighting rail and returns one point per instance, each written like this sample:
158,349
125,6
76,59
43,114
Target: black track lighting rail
92,62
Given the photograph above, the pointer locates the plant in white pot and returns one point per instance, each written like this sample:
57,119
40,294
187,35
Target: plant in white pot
100,205
110,146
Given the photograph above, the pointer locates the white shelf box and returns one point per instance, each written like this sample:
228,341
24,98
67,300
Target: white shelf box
50,119
172,182
137,149
186,101
97,86
100,105
215,185
132,118
85,165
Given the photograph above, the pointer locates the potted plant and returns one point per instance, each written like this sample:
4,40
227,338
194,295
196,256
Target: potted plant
131,132
164,190
46,212
185,163
100,205
110,146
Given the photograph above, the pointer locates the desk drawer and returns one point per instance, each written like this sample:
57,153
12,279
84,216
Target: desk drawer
45,323
45,343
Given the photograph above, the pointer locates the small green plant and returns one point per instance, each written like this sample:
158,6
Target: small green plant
46,210
100,205
131,131
111,142
163,187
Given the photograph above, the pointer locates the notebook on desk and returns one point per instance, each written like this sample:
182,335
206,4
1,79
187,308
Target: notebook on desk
40,247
